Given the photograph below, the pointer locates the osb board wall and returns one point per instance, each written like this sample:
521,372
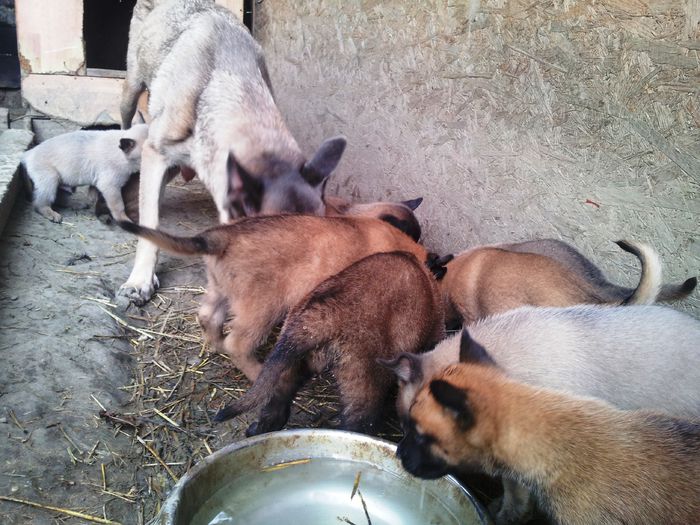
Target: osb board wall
514,119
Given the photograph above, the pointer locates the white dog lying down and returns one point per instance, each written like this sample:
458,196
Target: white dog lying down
103,159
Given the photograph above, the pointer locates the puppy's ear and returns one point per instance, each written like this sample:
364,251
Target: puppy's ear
407,367
244,191
454,400
472,352
126,145
413,203
316,170
436,264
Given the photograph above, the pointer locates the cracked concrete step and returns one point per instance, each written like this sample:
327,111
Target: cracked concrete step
13,142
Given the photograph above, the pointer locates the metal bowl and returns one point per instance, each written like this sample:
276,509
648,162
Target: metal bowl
308,477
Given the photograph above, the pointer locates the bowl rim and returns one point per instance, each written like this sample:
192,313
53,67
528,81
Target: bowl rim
169,505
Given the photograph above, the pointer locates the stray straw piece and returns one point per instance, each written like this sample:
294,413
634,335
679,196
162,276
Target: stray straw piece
67,512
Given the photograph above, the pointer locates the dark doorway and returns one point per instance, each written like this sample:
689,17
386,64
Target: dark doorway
9,58
106,33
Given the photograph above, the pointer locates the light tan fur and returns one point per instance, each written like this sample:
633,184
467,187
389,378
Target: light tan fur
491,279
589,463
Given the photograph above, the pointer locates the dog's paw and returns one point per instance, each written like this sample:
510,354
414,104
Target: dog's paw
252,430
51,215
138,295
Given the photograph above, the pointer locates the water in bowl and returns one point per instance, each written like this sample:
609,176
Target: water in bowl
318,492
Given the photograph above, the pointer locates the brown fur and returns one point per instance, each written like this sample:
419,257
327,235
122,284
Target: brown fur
589,463
259,267
492,279
376,308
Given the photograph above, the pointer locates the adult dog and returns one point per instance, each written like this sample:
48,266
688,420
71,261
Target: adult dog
213,114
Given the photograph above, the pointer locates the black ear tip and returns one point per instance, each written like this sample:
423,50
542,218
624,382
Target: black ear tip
413,203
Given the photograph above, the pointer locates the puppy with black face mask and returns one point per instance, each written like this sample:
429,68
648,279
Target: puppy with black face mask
586,462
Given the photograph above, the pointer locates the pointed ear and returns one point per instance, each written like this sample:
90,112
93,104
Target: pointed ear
413,203
243,188
455,400
324,161
407,367
126,145
472,352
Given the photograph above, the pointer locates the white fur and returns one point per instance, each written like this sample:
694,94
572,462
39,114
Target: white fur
632,356
83,158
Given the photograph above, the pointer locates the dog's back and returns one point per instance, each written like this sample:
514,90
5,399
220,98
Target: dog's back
632,356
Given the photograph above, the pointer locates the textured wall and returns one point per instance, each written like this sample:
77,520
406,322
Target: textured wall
578,120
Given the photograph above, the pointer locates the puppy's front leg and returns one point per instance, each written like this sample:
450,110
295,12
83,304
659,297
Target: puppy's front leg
515,506
114,201
142,282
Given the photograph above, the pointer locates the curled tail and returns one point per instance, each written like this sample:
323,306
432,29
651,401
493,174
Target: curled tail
649,287
278,367
206,243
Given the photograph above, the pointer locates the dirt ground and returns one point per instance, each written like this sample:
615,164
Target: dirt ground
64,357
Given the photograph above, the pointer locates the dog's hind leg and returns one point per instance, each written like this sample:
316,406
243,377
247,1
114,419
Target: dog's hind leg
143,281
249,328
275,413
212,316
363,388
131,90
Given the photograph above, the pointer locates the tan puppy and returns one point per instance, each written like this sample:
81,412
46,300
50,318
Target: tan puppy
577,349
375,308
492,279
259,267
588,462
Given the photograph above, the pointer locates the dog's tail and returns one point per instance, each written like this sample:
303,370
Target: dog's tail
278,368
27,182
649,287
209,242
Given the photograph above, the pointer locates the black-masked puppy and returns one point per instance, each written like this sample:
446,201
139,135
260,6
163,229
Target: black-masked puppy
376,308
587,462
634,357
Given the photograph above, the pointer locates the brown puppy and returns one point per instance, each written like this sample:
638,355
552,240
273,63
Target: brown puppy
259,267
376,308
588,463
491,279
